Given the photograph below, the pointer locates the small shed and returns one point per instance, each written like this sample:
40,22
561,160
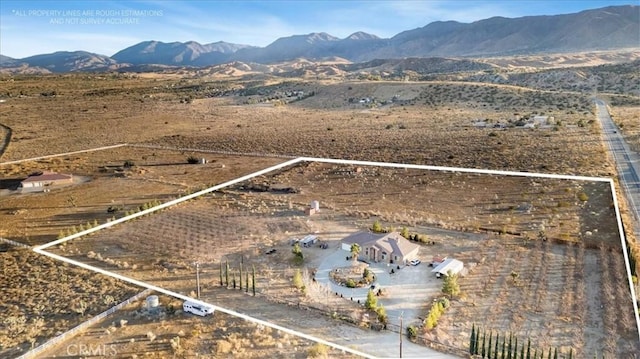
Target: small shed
450,265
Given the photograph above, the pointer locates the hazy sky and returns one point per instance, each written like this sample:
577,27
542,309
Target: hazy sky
105,27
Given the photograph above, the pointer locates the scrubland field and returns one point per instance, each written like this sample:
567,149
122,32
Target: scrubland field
559,236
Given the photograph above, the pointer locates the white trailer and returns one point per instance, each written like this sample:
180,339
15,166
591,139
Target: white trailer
197,308
309,240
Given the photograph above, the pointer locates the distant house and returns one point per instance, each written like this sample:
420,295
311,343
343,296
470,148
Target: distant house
382,247
450,265
44,179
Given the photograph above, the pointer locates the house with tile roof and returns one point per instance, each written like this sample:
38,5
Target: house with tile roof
382,247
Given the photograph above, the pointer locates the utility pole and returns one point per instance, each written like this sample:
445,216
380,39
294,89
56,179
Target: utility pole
198,278
401,314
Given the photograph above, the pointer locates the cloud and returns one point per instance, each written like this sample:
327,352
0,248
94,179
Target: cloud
208,25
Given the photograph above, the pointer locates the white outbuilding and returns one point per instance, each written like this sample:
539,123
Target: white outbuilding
450,265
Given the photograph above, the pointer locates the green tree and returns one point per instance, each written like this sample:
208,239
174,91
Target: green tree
298,257
529,349
472,340
405,232
233,275
377,227
367,275
297,279
382,315
489,346
253,280
240,278
355,251
450,285
495,350
221,282
510,346
246,283
372,301
555,353
483,349
504,348
226,273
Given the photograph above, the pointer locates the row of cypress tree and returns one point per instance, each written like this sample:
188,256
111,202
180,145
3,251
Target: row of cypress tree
488,346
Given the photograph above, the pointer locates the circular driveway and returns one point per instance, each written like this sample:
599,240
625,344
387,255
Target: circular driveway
408,291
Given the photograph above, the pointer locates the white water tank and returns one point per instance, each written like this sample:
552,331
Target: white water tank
315,205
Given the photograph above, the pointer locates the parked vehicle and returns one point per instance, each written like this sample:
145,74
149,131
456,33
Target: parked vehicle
414,262
197,309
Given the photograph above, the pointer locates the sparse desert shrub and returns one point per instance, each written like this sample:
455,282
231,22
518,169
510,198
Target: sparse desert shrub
175,344
223,347
367,275
382,314
318,350
412,332
151,336
583,197
350,283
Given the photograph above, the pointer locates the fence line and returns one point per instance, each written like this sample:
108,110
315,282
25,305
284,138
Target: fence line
81,327
221,152
14,243
63,154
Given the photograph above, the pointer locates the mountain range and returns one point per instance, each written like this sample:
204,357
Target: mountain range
598,29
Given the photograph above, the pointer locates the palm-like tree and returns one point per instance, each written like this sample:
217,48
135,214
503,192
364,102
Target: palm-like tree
355,250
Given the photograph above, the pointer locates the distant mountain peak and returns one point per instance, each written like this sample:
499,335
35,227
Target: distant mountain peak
617,27
360,35
319,36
